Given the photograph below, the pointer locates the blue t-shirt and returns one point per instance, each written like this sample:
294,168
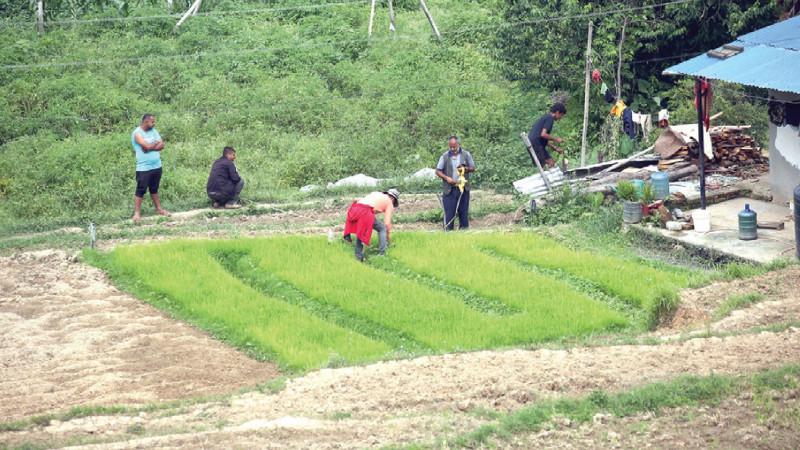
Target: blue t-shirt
149,160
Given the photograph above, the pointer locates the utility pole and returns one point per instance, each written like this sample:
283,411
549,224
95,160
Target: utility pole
586,95
41,18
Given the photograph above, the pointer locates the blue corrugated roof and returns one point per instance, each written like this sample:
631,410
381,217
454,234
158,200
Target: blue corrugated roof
771,59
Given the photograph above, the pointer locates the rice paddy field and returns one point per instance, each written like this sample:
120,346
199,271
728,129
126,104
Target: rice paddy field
306,303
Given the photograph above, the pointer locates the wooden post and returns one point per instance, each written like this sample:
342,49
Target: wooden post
586,95
197,8
430,19
189,12
371,17
535,159
391,19
40,13
702,156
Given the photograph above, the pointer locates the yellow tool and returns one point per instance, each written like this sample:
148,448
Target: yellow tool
461,184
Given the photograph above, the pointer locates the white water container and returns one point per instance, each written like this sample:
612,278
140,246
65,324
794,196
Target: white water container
702,220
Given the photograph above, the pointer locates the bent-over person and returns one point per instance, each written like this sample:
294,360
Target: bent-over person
361,220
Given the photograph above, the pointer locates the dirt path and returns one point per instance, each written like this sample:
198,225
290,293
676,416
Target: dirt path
69,338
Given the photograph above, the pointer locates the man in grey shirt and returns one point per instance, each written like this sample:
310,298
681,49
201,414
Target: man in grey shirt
454,168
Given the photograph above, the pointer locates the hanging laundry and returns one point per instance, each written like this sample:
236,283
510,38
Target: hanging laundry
705,93
608,96
663,118
627,123
618,108
603,89
596,76
645,123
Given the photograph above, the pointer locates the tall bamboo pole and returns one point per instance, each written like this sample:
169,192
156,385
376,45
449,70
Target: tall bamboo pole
586,95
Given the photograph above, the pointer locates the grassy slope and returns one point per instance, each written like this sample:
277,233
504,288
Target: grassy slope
312,112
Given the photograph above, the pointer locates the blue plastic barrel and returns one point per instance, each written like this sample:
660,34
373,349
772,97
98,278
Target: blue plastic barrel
748,224
660,182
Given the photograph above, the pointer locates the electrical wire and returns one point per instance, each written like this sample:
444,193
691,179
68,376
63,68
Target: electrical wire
329,98
322,44
179,15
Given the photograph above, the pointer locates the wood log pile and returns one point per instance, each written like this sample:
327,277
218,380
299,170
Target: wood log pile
732,148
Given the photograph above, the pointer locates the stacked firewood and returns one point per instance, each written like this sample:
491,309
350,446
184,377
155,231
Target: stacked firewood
733,147
730,145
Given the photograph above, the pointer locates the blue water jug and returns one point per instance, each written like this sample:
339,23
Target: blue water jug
748,224
660,182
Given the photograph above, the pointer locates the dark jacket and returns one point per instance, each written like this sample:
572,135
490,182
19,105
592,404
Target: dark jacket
223,177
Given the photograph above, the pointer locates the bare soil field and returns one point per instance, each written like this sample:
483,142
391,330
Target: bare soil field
70,338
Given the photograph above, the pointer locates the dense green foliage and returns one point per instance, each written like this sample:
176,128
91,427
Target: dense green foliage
302,94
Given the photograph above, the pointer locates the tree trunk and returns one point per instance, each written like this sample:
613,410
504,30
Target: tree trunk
619,59
391,19
371,18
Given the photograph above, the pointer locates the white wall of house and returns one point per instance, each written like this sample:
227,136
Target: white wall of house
784,155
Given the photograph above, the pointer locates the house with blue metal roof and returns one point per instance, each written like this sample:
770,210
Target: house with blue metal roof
768,58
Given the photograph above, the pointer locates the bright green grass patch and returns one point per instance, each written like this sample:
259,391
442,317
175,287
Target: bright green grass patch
549,305
643,286
737,302
440,320
204,293
306,303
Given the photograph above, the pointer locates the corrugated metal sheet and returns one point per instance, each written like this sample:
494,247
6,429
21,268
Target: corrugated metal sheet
771,60
784,34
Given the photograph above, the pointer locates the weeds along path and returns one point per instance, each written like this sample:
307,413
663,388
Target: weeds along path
70,338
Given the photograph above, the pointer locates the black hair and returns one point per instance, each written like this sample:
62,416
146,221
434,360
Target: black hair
454,137
227,150
146,116
559,107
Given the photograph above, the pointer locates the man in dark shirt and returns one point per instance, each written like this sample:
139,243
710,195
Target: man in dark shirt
540,135
224,183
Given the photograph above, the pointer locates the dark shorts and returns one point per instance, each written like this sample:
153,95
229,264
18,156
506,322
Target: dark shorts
148,179
542,154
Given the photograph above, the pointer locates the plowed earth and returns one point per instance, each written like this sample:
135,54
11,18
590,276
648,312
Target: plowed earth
69,338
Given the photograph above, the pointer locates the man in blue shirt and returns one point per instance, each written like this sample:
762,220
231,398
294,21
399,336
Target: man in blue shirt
541,138
147,144
454,168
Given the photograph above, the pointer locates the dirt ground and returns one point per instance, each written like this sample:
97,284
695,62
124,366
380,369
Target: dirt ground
69,338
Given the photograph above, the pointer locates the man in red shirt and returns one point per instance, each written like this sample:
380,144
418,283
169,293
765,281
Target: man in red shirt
361,219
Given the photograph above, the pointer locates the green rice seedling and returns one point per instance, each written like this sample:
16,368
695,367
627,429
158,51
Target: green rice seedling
202,292
547,304
331,275
639,284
